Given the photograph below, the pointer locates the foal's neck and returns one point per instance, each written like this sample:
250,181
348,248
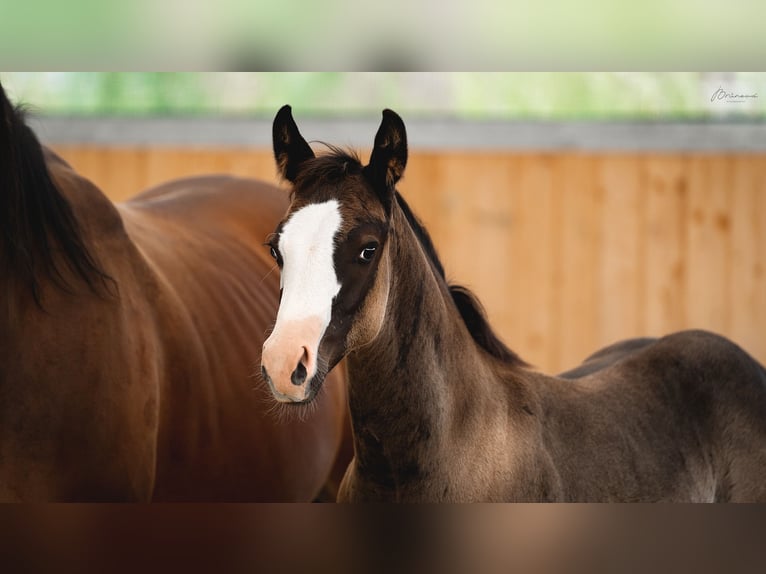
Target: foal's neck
419,382
423,339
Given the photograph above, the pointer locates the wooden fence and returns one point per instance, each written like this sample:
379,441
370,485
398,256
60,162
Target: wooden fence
568,251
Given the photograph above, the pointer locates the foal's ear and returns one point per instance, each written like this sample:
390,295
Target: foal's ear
389,156
290,149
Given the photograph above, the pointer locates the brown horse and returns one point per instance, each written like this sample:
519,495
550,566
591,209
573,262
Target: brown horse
130,335
441,409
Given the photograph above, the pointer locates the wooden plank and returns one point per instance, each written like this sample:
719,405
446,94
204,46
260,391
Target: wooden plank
123,172
245,162
437,200
531,250
580,201
747,279
664,250
621,265
466,203
708,225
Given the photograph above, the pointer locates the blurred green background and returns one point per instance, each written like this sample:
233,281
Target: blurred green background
513,95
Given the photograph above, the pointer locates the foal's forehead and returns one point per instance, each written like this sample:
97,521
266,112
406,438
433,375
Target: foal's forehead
355,201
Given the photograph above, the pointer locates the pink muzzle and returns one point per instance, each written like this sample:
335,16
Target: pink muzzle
289,359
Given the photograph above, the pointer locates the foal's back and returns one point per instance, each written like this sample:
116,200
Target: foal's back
679,418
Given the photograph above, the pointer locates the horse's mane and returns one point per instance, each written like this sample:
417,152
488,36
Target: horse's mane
471,310
38,229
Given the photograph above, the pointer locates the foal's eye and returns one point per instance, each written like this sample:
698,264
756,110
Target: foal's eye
274,253
367,254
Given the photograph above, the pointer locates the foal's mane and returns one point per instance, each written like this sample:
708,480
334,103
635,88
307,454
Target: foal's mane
38,229
470,308
339,163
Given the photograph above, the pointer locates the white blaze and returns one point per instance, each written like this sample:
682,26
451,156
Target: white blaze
309,285
308,280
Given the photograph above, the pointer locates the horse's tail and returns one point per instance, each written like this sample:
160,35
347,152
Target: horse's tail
39,235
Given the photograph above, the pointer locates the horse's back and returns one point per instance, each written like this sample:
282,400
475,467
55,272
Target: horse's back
207,233
607,357
218,200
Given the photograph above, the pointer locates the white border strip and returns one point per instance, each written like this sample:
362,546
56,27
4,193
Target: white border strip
423,134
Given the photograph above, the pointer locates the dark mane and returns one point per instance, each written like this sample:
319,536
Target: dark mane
467,304
38,230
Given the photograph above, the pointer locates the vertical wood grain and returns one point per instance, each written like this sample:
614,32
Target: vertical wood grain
708,225
747,279
665,196
580,246
621,266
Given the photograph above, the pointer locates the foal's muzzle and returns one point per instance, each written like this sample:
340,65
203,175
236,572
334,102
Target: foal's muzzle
289,360
298,378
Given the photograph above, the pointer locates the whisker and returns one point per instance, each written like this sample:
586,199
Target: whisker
281,413
275,266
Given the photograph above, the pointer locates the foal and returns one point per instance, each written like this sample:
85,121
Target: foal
441,409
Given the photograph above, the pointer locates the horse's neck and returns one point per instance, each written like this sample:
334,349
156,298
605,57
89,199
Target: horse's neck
422,373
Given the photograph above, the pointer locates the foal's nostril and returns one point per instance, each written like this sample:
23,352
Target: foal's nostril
265,374
299,375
